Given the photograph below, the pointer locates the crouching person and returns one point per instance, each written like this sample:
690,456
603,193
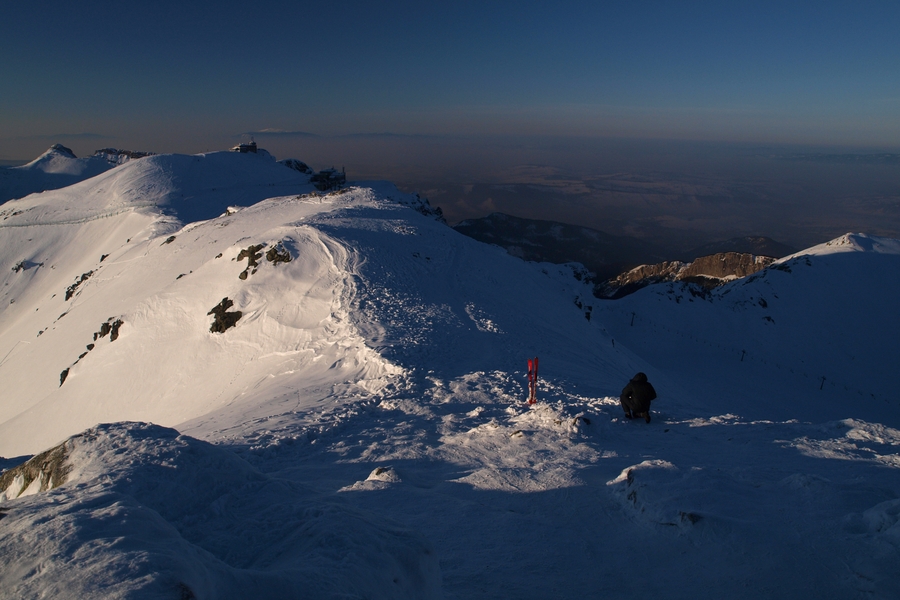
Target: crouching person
636,397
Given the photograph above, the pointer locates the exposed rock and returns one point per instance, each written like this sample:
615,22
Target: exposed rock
727,265
111,327
24,265
707,271
60,149
664,271
48,468
223,320
70,291
277,254
758,245
422,206
169,240
117,157
297,165
253,255
114,330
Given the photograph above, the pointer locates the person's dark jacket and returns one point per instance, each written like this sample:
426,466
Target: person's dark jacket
637,394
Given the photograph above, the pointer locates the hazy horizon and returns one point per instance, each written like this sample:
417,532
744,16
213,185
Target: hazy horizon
569,103
678,194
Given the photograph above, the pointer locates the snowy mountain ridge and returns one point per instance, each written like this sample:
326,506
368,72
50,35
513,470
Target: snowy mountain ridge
345,376
58,167
852,242
819,315
116,233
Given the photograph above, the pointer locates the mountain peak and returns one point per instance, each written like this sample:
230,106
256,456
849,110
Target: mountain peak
56,154
60,149
853,242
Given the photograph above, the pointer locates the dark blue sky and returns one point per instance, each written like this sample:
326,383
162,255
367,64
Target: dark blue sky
190,76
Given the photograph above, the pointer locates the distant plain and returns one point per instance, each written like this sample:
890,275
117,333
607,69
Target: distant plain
677,194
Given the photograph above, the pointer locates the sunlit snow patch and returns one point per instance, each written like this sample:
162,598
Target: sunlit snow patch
854,440
379,478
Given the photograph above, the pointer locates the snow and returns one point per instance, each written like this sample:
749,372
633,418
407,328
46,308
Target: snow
180,514
56,168
852,242
809,337
362,430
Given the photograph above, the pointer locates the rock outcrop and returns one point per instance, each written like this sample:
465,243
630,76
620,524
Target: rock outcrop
222,318
43,472
708,271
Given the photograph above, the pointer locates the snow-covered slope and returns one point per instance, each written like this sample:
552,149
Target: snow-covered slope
99,252
181,518
59,160
361,430
813,336
56,168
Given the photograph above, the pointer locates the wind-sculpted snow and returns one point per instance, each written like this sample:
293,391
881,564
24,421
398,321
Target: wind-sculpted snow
508,493
378,376
149,513
295,332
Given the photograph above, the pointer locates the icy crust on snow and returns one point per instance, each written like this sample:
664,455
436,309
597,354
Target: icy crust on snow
146,512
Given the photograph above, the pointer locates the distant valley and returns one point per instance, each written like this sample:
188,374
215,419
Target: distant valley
612,260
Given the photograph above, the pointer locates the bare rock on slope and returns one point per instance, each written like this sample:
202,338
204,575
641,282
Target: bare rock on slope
708,271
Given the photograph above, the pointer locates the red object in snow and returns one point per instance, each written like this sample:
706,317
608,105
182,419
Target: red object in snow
532,379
